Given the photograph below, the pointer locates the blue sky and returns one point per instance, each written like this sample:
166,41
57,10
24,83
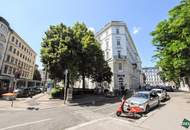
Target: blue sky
31,18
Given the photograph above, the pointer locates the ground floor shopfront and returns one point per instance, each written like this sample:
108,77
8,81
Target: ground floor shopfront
8,84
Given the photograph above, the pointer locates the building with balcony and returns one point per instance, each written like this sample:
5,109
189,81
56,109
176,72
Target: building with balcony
152,76
121,54
16,56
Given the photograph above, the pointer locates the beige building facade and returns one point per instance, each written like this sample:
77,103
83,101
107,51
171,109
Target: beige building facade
15,54
121,54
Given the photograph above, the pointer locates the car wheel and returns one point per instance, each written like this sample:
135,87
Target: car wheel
147,109
118,113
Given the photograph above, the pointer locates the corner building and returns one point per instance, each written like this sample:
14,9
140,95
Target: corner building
121,54
15,54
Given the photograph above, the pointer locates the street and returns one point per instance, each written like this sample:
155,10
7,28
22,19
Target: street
168,116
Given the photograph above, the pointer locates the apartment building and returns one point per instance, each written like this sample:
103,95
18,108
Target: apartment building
15,54
152,76
121,54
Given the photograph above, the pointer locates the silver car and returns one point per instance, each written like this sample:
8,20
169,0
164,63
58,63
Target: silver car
144,99
161,93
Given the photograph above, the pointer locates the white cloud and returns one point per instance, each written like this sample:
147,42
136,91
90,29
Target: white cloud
136,30
92,29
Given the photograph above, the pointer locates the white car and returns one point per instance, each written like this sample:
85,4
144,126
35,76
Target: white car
144,99
161,93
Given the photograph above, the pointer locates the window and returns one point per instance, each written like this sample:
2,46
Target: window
16,61
19,44
16,41
22,47
12,60
5,69
20,54
107,44
117,30
14,69
10,70
19,63
119,54
120,66
14,51
8,58
10,48
17,53
13,39
118,42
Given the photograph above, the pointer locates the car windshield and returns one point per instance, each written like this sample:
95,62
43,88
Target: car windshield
159,91
141,95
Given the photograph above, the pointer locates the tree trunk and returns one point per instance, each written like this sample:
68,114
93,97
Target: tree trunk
187,81
83,82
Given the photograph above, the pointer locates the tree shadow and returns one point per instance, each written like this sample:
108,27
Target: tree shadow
94,100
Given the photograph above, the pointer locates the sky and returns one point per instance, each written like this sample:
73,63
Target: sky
31,18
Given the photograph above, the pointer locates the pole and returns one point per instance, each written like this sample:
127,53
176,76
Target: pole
65,86
45,82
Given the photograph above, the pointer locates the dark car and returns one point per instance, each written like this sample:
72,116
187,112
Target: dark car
167,88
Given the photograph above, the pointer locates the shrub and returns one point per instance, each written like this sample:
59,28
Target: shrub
56,92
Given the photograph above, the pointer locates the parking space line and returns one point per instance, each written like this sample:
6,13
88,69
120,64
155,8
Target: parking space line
25,124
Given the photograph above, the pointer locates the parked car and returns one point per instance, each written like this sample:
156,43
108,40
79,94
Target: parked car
19,92
146,100
148,87
167,88
161,93
37,90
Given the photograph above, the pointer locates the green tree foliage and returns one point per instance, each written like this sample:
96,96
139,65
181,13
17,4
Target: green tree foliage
37,75
76,49
58,52
172,40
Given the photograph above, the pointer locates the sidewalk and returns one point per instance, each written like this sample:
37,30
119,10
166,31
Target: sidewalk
44,101
25,103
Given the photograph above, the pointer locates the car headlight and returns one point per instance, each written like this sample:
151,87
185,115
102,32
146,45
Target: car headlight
141,106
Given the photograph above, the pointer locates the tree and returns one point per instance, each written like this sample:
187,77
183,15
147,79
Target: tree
58,52
76,49
172,40
90,54
37,75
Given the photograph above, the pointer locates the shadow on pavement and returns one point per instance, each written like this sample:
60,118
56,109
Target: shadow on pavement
94,100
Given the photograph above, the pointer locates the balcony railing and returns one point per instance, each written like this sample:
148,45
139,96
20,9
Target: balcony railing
122,57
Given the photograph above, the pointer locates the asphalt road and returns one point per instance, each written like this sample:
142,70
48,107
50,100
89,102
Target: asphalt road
168,116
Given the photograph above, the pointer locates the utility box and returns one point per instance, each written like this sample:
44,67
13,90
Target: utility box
69,94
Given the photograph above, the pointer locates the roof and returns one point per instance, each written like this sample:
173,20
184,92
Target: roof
144,92
3,20
146,68
157,89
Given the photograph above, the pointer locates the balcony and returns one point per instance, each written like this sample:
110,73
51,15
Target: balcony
120,57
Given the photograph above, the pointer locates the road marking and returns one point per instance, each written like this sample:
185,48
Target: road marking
24,124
